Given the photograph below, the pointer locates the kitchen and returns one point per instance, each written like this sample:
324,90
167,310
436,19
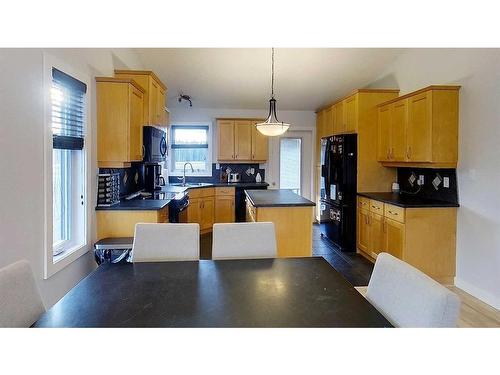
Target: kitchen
321,166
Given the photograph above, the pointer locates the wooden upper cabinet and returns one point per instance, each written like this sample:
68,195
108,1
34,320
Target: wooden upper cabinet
350,114
338,122
119,122
242,140
260,144
399,120
225,139
384,133
155,93
424,128
419,134
328,121
239,139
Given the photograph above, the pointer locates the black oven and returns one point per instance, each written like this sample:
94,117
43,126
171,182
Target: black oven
155,144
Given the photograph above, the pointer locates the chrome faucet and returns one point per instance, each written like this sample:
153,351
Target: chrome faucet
183,178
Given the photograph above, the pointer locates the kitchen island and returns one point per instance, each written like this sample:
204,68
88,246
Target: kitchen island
291,214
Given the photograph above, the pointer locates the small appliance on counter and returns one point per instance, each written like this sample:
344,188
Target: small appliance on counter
153,180
155,144
234,177
108,189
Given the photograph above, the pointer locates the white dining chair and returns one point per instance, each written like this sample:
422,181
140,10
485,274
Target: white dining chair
166,242
244,240
409,298
20,301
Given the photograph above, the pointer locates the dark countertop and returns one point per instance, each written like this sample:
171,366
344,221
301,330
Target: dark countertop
137,205
276,198
287,292
407,201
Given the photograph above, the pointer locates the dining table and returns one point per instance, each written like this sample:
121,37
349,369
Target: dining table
283,292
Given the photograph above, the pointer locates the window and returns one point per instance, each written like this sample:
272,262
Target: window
68,118
290,161
190,144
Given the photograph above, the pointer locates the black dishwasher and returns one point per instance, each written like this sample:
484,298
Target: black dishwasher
240,204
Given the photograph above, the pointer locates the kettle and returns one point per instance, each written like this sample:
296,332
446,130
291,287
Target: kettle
234,177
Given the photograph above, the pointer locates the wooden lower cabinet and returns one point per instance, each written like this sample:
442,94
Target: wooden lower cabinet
292,225
111,223
211,205
422,237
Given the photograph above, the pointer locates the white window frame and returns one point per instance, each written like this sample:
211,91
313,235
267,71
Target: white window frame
54,264
171,170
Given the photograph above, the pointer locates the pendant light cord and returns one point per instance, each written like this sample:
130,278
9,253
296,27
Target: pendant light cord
272,73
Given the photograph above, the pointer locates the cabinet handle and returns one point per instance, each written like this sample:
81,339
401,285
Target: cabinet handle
393,213
388,154
392,153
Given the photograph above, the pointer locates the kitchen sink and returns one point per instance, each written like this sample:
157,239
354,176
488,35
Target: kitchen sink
192,184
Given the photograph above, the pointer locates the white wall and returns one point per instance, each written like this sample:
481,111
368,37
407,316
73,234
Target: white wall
299,120
477,71
21,157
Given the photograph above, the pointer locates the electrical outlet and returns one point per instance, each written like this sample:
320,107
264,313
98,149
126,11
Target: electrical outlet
217,166
446,182
420,180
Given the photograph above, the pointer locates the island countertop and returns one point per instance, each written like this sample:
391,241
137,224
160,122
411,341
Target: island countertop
276,198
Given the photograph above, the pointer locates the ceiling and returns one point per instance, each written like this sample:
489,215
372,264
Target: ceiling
240,78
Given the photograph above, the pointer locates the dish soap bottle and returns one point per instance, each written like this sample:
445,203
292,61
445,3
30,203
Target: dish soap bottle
258,178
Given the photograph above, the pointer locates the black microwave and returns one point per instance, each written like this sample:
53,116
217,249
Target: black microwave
155,144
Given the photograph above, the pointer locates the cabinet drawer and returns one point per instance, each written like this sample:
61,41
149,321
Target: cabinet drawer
394,213
363,203
201,192
377,207
224,191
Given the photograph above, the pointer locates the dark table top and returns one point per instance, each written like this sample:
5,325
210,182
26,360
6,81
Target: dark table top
293,292
276,198
408,201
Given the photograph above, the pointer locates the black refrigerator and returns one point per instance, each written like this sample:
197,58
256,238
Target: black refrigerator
338,192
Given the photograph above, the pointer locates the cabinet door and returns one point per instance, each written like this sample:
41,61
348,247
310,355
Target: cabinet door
136,118
394,237
339,118
224,209
242,140
225,139
160,107
260,144
398,130
194,211
350,107
363,231
377,243
207,213
384,133
153,102
328,124
419,129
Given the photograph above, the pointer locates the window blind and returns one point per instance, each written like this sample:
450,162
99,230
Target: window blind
68,111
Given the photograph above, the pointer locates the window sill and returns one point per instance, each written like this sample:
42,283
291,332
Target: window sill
60,261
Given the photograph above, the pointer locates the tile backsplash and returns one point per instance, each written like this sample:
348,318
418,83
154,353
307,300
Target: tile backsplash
427,190
217,173
131,179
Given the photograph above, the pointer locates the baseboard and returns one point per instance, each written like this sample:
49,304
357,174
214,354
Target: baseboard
479,293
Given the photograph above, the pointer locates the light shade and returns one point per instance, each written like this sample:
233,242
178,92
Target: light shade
272,127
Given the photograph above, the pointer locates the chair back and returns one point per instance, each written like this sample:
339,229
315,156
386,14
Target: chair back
166,242
244,240
20,301
409,298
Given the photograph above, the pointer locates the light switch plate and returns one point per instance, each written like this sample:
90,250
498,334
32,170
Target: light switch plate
217,166
446,182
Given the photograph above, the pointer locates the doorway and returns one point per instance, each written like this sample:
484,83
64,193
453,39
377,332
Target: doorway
295,158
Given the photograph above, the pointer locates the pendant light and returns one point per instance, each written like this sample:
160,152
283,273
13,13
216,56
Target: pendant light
272,127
